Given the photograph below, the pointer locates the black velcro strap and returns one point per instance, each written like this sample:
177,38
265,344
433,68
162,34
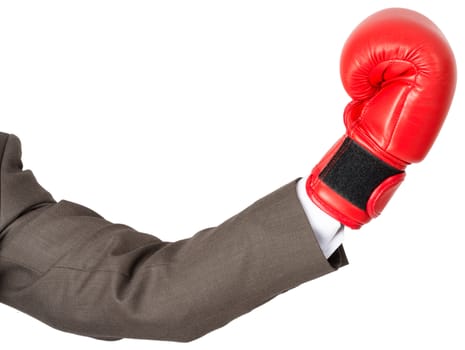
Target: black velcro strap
354,173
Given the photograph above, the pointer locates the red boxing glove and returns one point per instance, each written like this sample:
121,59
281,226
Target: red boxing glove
400,72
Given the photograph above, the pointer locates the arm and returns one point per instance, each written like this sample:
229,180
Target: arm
65,265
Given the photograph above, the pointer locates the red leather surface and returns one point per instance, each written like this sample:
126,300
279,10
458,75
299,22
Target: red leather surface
382,194
400,72
401,69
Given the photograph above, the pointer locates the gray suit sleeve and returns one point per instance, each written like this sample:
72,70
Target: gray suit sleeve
65,265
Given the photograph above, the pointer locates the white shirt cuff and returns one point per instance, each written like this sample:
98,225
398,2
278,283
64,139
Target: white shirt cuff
328,231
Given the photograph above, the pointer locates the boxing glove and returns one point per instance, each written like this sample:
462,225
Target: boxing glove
400,72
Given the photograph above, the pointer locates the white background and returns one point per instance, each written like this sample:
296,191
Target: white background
172,116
